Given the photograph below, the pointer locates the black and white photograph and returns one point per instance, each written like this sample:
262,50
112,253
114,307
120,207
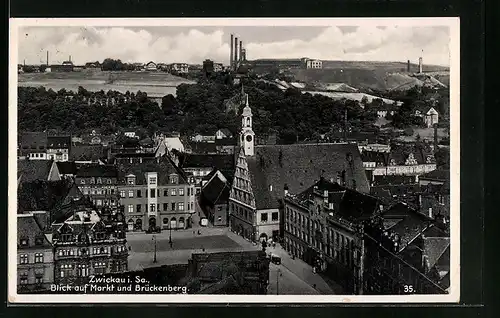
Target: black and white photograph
266,160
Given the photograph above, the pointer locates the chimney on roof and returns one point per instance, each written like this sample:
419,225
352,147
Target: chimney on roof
420,65
47,58
381,207
235,53
70,58
231,48
430,212
241,52
408,67
330,205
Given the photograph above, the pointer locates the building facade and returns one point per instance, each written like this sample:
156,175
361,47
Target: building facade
35,257
100,183
314,64
88,243
156,195
58,148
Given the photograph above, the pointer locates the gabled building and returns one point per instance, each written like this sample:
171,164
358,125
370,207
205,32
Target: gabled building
429,115
31,170
35,258
67,169
99,182
264,173
155,194
200,165
223,133
88,154
32,145
151,66
323,227
214,199
407,160
58,148
88,243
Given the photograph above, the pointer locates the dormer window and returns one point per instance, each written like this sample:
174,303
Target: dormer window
82,181
99,180
24,242
173,179
131,180
92,180
39,241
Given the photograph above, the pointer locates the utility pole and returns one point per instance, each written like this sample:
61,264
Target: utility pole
154,259
278,281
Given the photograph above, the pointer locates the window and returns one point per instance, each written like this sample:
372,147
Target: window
39,279
173,179
122,193
152,180
274,216
23,278
131,181
158,193
83,270
173,192
23,259
130,208
92,180
165,221
130,193
66,270
38,258
173,206
181,191
39,240
165,206
165,193
109,181
138,208
99,202
139,193
24,242
263,217
82,181
99,180
153,193
152,207
180,206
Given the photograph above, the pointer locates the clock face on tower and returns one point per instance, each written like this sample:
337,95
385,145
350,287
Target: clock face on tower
249,138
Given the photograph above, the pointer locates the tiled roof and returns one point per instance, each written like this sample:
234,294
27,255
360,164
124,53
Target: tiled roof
66,167
58,142
28,228
299,166
434,248
400,154
30,170
32,141
393,180
410,226
204,147
374,156
439,175
96,170
164,167
216,191
87,153
226,131
223,163
44,195
225,142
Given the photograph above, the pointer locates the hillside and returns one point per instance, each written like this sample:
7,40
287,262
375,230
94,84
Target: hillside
365,75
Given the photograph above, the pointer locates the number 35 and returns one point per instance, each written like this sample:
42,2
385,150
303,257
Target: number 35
408,289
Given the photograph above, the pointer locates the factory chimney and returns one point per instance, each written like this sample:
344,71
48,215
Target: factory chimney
241,51
408,67
70,58
231,52
420,63
235,53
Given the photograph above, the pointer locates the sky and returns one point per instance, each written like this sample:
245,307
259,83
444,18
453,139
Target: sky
169,44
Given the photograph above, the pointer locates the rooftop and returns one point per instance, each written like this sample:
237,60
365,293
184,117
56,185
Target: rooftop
31,170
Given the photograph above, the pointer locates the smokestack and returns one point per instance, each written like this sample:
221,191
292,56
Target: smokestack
231,52
47,58
241,51
24,62
70,58
420,65
235,53
408,67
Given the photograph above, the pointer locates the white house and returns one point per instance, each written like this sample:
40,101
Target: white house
151,66
179,67
315,64
223,133
429,115
131,134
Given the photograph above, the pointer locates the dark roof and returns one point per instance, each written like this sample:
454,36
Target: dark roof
434,248
226,131
438,175
299,166
29,141
216,191
29,228
58,142
66,167
393,180
223,163
225,142
400,153
164,167
410,224
203,147
374,156
96,170
45,195
30,170
87,153
398,190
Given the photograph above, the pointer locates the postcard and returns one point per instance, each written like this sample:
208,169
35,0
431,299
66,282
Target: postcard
266,160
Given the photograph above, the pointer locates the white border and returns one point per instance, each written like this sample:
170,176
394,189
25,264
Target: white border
452,297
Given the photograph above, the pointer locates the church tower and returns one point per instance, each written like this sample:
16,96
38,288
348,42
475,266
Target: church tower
247,136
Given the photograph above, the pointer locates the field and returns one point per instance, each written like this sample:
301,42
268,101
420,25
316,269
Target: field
154,84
